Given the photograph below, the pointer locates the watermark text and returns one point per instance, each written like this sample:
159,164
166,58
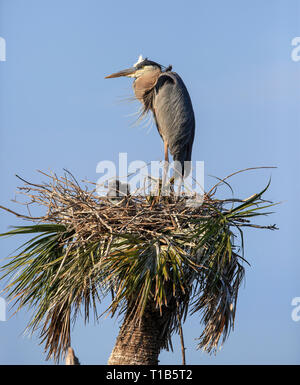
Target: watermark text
2,49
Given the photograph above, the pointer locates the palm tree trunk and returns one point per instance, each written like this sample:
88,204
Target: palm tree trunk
138,343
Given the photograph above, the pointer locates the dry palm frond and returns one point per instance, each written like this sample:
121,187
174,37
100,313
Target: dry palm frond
144,249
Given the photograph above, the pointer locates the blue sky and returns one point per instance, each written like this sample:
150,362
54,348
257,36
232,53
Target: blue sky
57,111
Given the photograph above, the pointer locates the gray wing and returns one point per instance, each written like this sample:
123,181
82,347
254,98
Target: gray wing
174,115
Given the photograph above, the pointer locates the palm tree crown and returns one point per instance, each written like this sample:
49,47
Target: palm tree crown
159,259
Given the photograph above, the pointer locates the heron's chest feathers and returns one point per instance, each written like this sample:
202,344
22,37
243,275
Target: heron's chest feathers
144,87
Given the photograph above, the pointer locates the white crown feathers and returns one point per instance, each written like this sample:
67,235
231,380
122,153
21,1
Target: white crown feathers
139,60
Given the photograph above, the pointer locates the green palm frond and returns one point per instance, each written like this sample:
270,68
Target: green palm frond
52,278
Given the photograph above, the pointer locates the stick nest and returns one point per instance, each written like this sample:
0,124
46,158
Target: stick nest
93,217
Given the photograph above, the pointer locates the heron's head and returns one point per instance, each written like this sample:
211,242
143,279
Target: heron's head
138,69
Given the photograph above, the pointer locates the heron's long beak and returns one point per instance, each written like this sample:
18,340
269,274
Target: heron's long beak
127,72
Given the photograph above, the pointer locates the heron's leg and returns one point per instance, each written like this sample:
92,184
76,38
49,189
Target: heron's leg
166,166
166,152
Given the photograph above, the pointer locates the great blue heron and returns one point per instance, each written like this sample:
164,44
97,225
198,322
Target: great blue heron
71,359
163,92
118,191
